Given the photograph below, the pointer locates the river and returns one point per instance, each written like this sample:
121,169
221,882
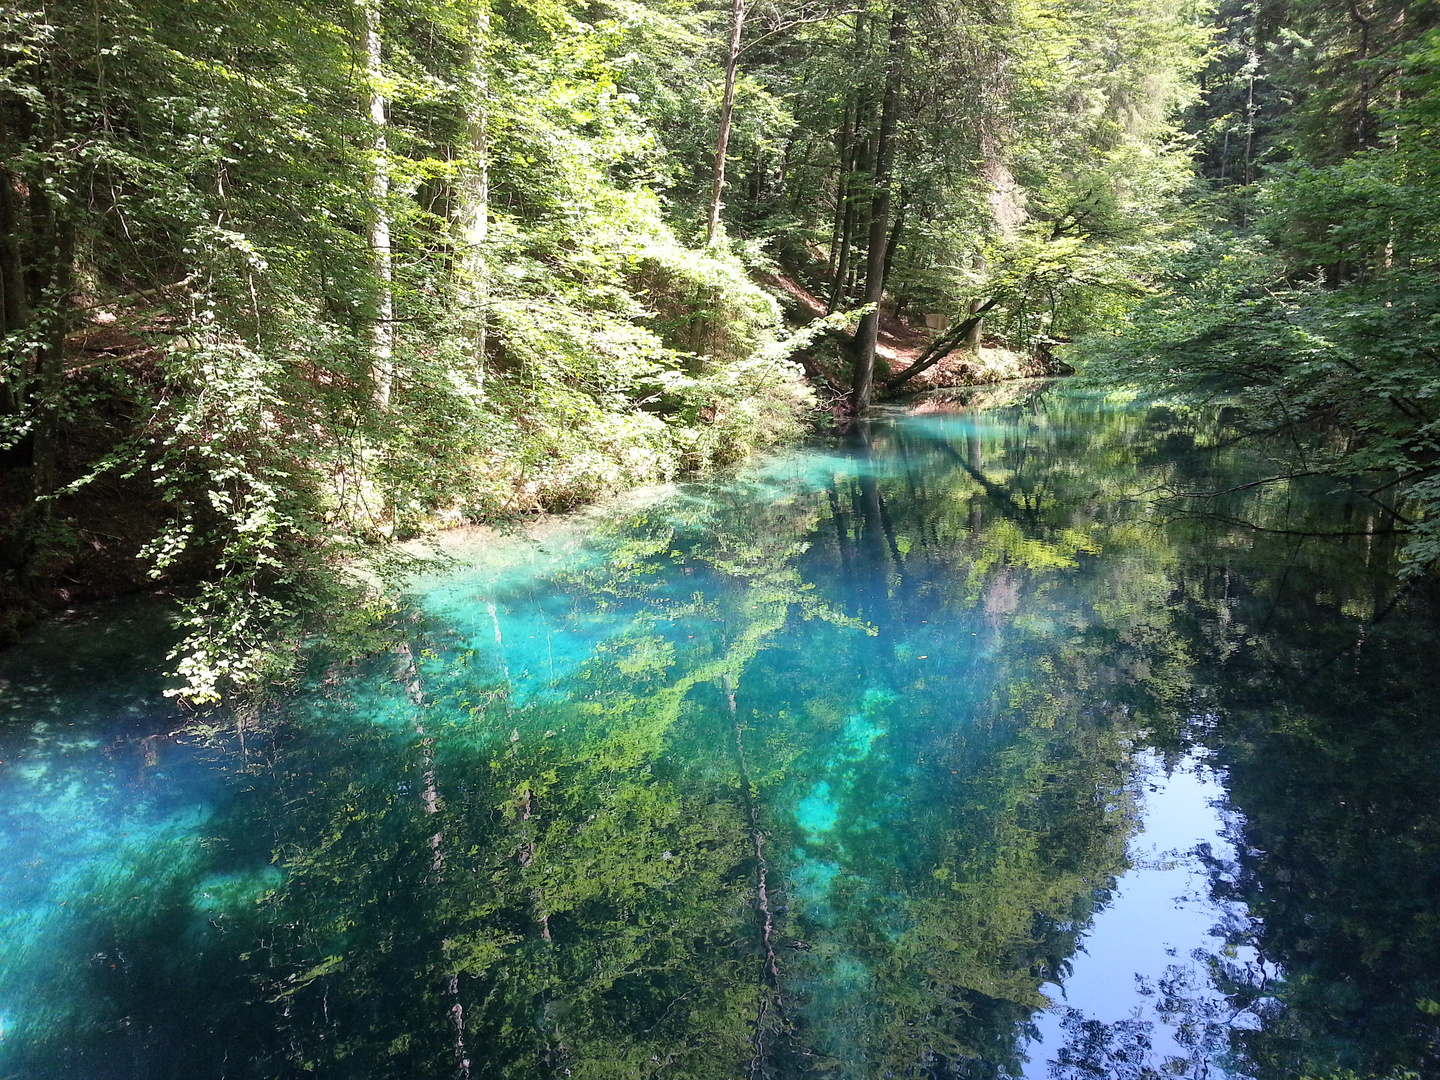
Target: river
964,748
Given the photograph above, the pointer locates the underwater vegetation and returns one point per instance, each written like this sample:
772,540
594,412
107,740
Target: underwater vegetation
821,770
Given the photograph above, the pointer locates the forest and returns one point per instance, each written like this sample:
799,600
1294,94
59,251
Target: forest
286,285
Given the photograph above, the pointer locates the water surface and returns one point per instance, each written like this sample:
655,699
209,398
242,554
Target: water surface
901,756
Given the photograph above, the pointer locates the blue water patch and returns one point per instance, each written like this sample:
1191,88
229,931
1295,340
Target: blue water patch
817,812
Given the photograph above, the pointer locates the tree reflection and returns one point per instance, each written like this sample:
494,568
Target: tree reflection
823,771
1328,727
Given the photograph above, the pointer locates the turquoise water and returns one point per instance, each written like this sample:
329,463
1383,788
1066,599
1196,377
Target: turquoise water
962,748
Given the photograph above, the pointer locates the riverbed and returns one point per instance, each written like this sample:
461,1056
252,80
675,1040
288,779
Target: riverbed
974,745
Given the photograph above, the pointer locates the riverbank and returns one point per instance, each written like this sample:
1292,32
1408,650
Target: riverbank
166,480
98,537
901,340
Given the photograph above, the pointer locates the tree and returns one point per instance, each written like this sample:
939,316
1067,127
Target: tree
382,334
727,104
875,264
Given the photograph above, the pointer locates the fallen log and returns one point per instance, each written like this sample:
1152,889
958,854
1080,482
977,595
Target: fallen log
942,346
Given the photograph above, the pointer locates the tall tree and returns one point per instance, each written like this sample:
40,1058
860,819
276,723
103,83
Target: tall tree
382,331
866,336
727,108
475,188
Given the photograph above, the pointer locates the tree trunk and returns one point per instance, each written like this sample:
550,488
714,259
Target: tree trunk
839,286
893,244
844,188
972,339
14,305
859,162
782,181
840,243
862,379
833,252
50,289
382,330
942,346
1362,126
1250,116
727,106
475,196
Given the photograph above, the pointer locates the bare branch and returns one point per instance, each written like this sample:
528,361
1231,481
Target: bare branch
800,20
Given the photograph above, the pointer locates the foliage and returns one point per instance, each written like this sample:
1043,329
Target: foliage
208,187
1322,315
368,269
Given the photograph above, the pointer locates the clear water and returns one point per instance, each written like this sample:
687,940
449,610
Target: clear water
897,757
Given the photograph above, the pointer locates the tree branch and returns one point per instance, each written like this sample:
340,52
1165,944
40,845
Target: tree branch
801,20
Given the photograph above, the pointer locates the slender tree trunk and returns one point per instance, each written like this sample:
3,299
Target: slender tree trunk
1250,117
1363,125
860,163
896,231
50,290
475,195
382,330
845,186
14,305
833,251
782,181
846,158
1388,257
727,107
840,286
863,376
